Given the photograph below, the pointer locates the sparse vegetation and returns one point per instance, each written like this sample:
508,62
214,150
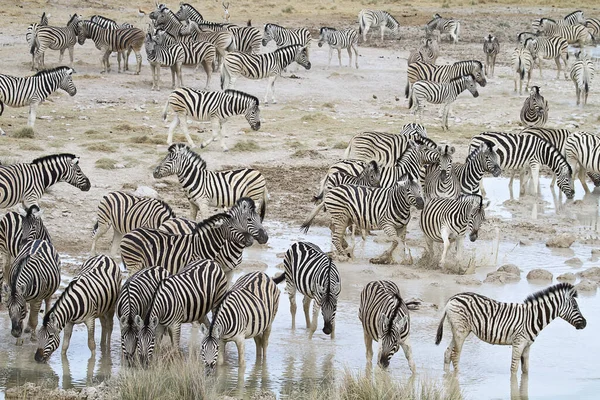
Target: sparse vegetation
328,105
30,147
103,147
295,144
106,163
340,145
315,117
147,139
288,10
24,133
246,145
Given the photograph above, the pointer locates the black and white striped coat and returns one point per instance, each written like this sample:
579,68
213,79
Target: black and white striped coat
438,179
574,34
108,23
535,109
216,107
247,311
223,41
582,150
553,47
338,40
512,324
91,294
32,90
185,297
54,38
385,319
32,33
312,273
593,25
206,188
285,36
377,18
188,12
370,175
448,26
427,53
574,18
582,75
491,48
420,71
522,64
159,55
125,212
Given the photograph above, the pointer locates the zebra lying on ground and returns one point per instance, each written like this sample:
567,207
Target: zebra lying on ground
207,188
32,90
338,40
91,294
535,109
420,71
547,48
511,324
491,48
522,64
427,53
377,18
54,38
450,26
582,75
32,31
217,107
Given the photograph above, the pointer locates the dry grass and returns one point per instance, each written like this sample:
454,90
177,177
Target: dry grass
147,139
106,163
24,133
30,147
340,145
103,147
315,117
246,145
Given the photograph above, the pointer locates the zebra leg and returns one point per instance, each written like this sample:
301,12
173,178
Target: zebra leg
315,320
71,54
330,55
339,51
184,128
382,32
175,332
291,289
91,328
60,56
172,127
577,92
101,230
34,311
369,346
445,234
518,349
557,61
67,338
525,359
388,256
208,71
194,210
258,343
306,307
221,353
265,342
239,342
445,110
408,354
138,59
349,50
338,230
116,244
582,178
271,85
535,178
458,339
32,113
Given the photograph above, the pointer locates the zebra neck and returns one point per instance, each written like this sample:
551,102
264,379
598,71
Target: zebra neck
286,56
50,172
540,314
191,173
230,255
398,203
471,170
48,86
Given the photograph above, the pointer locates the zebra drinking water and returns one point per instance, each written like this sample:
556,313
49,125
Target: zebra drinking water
377,18
338,40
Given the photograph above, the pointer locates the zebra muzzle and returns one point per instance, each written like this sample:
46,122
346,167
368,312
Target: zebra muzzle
473,236
39,356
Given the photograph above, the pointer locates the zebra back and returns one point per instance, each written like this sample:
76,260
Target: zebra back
556,137
582,72
285,36
584,148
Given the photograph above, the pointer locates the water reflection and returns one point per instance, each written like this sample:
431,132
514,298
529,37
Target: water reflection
519,392
299,378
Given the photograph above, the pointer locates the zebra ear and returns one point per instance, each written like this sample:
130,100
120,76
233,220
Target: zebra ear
53,322
21,211
203,329
124,321
75,161
451,150
400,322
138,322
486,204
153,323
382,322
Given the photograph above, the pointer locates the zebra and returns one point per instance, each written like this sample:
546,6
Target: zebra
185,297
32,90
217,107
247,311
450,26
33,278
438,180
188,12
582,75
91,294
377,18
573,34
369,176
223,41
370,208
491,48
32,33
207,188
286,37
522,64
134,299
480,160
26,182
385,319
535,109
54,38
440,93
593,26
312,273
516,151
108,40
582,150
126,212
108,23
574,18
160,55
427,53
260,66
449,219
444,73
547,48
511,324
345,38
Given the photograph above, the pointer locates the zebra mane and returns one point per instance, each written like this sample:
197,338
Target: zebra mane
46,72
461,78
326,27
547,19
275,25
210,222
53,157
390,16
102,18
241,200
167,207
395,312
72,18
18,268
195,156
573,13
244,95
561,287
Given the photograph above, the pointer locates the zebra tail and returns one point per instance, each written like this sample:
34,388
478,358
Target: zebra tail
407,89
306,224
223,72
165,110
34,42
521,70
360,24
317,197
263,204
1,107
95,229
440,331
279,278
320,195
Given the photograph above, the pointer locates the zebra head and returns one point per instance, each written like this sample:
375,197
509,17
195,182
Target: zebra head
326,296
66,80
564,180
175,161
252,113
32,225
476,217
371,175
411,190
324,33
83,31
426,154
489,157
568,308
48,337
244,212
146,339
183,14
392,24
467,82
478,74
16,303
158,11
268,33
445,154
390,331
129,335
302,57
210,346
72,173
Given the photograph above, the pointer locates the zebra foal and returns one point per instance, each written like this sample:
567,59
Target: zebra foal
449,26
522,64
377,18
535,109
512,324
338,40
54,38
582,75
491,48
420,71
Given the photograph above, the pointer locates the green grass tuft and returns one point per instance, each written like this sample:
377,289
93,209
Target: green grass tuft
24,133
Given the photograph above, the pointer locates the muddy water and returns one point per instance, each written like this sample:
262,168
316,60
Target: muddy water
563,360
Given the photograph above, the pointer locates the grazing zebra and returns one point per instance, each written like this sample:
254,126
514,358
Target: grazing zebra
217,107
126,212
444,220
377,18
32,90
582,75
573,34
207,188
420,71
440,93
369,176
535,109
582,150
223,41
385,319
427,53
312,273
26,182
450,26
511,324
247,311
370,208
491,48
516,151
32,33
182,298
54,38
161,55
522,64
548,48
286,37
438,180
108,40
338,40
134,300
260,66
593,25
33,278
91,294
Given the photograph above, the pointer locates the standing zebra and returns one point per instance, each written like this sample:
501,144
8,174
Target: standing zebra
26,183
260,66
312,273
385,319
369,176
491,48
420,71
548,48
480,160
377,18
512,324
574,18
188,12
427,53
573,34
593,25
582,75
450,26
582,150
32,90
247,311
207,188
32,31
285,36
522,64
108,23
91,294
217,107
338,40
161,55
134,300
440,93
444,220
126,212
223,41
535,109
438,180
54,38
185,297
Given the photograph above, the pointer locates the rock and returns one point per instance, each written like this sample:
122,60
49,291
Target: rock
264,395
562,240
145,191
566,277
595,252
467,281
501,277
592,273
524,242
539,274
574,262
586,286
510,269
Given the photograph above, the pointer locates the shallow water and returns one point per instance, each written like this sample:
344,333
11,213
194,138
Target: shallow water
563,360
